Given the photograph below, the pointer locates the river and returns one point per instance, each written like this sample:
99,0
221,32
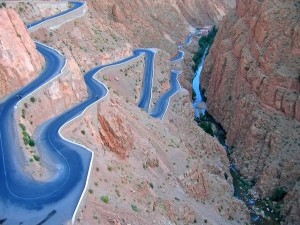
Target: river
262,211
196,87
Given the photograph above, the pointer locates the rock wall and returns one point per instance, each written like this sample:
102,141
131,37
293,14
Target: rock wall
204,12
20,62
252,80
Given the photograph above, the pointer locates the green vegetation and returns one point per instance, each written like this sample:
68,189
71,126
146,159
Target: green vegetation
105,199
36,158
135,208
32,99
83,132
207,127
204,43
26,137
205,124
210,126
2,4
22,126
278,194
151,185
23,113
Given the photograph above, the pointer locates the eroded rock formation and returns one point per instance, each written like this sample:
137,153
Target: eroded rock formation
252,81
20,62
204,12
115,133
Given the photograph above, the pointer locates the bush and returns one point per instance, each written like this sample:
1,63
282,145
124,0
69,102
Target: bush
135,208
22,126
278,194
26,140
31,143
32,99
105,199
204,43
36,158
23,113
207,127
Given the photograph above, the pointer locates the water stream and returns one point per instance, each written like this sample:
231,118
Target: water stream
262,211
196,87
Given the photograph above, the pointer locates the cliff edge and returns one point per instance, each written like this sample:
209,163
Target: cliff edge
252,81
20,62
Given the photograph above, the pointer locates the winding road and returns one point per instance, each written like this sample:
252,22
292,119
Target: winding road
163,102
26,201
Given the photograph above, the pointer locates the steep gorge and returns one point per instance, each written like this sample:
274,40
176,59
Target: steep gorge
251,77
175,150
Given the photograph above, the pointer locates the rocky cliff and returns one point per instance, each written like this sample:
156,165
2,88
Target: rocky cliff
20,62
204,12
252,81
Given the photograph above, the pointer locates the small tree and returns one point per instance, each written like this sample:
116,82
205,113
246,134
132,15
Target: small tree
31,143
32,99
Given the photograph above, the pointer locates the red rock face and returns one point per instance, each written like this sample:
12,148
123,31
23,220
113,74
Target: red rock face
252,81
204,12
20,62
115,133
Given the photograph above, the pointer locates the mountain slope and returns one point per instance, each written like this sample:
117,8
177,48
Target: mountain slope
20,62
252,81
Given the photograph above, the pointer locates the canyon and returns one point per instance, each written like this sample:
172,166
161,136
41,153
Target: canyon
251,78
166,171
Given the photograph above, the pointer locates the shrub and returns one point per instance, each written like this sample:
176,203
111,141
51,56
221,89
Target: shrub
36,158
32,99
31,143
22,126
26,140
278,194
105,199
207,127
83,132
23,113
204,42
135,208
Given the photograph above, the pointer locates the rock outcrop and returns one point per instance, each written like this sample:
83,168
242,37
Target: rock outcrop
115,133
20,62
252,81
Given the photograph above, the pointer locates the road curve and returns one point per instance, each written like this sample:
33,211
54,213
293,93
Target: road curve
178,57
146,94
163,102
21,195
75,5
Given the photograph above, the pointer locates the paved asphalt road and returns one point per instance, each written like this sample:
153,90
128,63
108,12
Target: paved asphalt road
163,102
19,193
178,57
25,200
75,5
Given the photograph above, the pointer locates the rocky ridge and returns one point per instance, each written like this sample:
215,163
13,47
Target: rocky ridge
20,62
252,81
